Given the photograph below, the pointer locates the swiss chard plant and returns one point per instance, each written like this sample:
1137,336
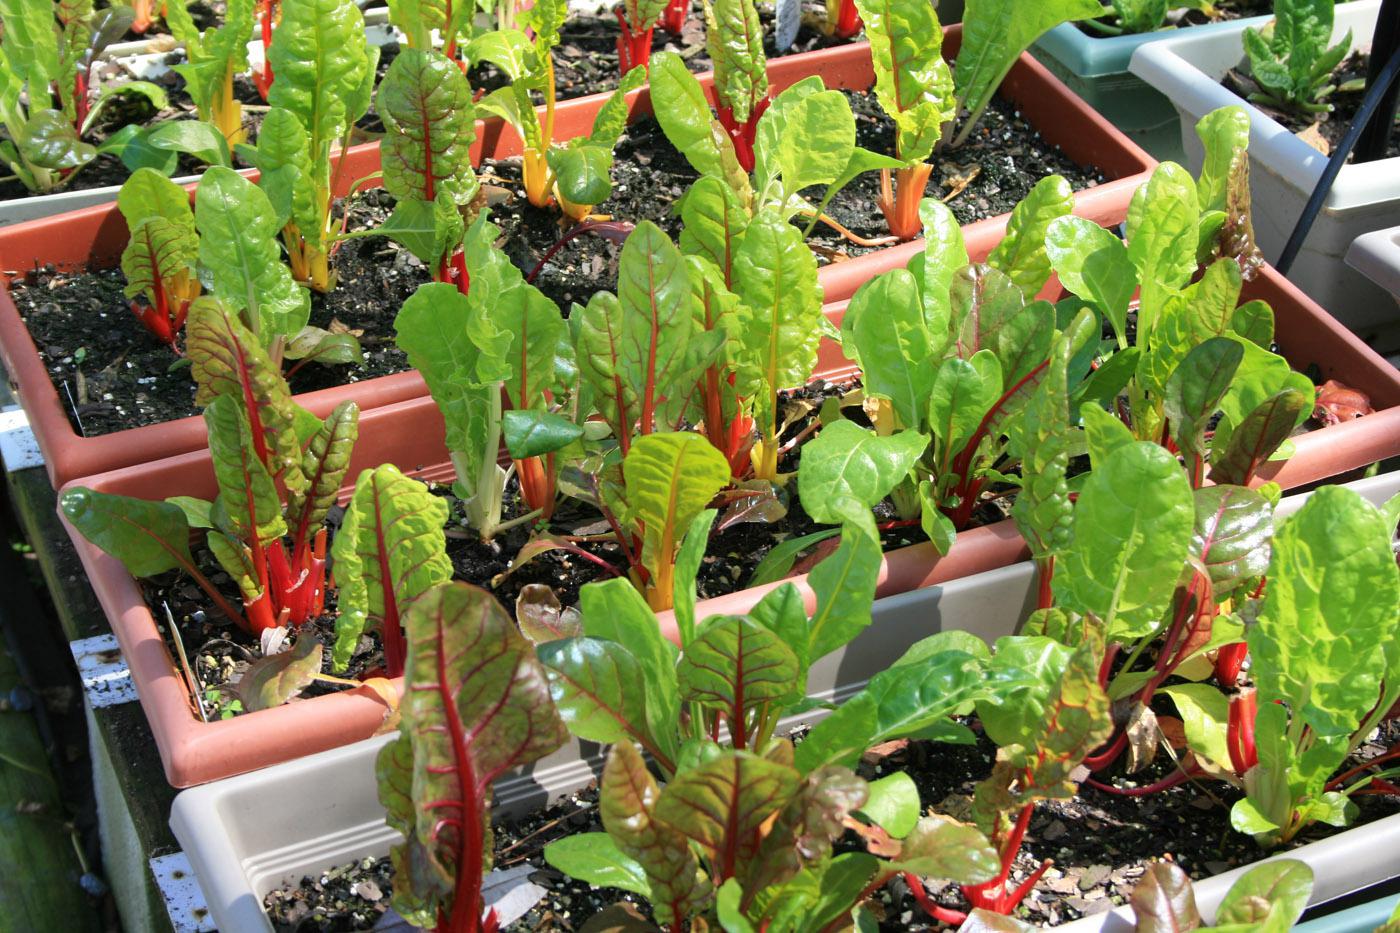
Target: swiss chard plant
1046,711
575,173
160,260
501,349
1197,352
806,138
637,19
213,57
1325,667
389,551
1269,898
242,265
48,45
760,851
952,353
1289,58
926,98
429,126
1139,16
476,704
325,71
278,470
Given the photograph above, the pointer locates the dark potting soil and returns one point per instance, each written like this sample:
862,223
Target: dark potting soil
1100,844
1330,126
1225,10
112,375
1003,159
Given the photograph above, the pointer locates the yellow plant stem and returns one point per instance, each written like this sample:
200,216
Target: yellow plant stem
659,591
900,196
539,180
227,113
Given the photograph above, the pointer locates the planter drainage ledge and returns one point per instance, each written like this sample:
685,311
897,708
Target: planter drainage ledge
1376,255
1284,169
248,835
96,236
410,435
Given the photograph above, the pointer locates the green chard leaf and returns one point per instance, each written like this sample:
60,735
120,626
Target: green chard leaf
430,126
238,231
390,550
149,538
1022,253
476,703
913,83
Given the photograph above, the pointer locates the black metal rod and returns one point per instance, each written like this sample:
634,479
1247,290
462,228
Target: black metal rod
1385,41
1384,82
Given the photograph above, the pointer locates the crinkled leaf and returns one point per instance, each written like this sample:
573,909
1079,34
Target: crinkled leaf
912,81
1022,253
429,124
1231,537
846,463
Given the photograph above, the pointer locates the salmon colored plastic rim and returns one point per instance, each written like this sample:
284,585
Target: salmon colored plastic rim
410,434
96,235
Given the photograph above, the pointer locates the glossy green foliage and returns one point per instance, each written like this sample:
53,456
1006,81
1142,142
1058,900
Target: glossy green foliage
1268,898
1324,645
1039,754
912,81
1134,518
734,39
238,231
958,350
149,538
1290,60
429,121
475,704
389,551
995,33
160,257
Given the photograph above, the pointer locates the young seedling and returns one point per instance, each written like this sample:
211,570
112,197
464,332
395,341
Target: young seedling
1049,712
1289,58
484,354
325,71
213,57
55,45
763,852
476,704
1140,16
159,261
278,471
1326,671
575,173
1268,898
923,95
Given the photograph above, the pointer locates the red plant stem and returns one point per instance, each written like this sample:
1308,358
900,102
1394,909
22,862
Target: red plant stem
1239,734
1228,661
1106,668
1180,776
633,46
80,102
954,918
534,485
1336,782
465,914
1045,593
847,20
742,134
1110,753
450,50
264,81
673,17
968,489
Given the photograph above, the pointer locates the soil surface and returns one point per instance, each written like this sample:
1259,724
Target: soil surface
112,375
1225,10
1331,127
1100,844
